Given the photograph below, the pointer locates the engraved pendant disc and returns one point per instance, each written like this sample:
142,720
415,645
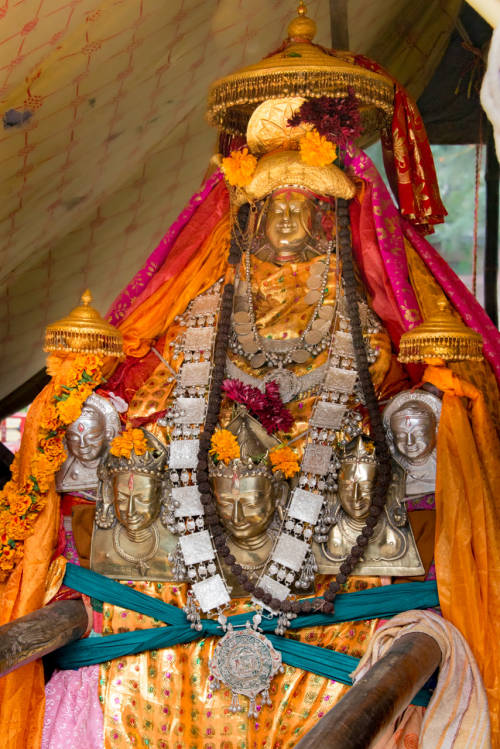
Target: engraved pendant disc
312,297
314,282
245,661
313,337
301,355
258,360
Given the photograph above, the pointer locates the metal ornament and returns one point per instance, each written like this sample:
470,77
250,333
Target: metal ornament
245,661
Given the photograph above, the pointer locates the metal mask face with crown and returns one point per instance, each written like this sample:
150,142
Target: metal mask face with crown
129,539
248,494
392,549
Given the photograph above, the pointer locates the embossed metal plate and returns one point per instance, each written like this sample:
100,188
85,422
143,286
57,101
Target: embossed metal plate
343,345
305,506
290,552
197,548
245,661
211,593
193,410
205,305
184,453
276,589
342,380
198,339
328,415
195,373
316,459
188,500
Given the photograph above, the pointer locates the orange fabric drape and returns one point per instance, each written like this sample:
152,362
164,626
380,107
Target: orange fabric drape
151,319
22,692
467,551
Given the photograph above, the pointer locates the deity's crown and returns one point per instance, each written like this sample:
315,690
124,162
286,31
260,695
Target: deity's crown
153,461
254,445
359,450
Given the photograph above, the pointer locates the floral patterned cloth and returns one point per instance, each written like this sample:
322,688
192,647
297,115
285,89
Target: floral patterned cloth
73,715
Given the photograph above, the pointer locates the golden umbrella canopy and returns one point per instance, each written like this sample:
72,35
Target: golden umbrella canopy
299,68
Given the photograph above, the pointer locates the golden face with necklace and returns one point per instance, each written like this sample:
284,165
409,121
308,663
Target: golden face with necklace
288,228
288,225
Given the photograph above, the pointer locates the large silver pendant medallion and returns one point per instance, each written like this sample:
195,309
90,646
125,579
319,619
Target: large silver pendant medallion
245,661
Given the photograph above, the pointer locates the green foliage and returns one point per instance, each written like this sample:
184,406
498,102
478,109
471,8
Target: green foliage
454,240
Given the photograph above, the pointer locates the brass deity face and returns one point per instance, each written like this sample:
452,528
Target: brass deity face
356,482
414,431
86,437
246,508
136,500
288,223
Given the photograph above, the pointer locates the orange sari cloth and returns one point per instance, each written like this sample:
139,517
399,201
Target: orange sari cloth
165,699
22,692
467,551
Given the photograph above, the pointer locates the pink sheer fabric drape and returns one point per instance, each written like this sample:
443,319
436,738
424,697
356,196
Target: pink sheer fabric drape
73,714
391,230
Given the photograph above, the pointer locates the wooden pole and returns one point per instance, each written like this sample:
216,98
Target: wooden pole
36,634
375,701
339,24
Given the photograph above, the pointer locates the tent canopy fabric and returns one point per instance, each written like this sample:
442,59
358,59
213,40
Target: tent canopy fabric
104,138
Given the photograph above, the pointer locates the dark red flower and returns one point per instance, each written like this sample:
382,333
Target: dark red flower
266,406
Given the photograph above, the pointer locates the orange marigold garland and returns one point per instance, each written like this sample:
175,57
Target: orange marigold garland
130,439
224,446
20,503
316,150
284,459
239,167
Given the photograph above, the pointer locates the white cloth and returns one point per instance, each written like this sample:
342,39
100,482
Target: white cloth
457,715
490,89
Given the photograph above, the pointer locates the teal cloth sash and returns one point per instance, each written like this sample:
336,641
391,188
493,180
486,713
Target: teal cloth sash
374,603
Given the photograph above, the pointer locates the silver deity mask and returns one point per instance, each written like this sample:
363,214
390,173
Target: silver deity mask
411,420
86,440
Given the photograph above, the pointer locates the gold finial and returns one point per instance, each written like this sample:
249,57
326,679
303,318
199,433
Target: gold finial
84,331
442,336
302,27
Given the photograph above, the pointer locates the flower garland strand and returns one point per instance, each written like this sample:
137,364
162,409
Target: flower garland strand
21,503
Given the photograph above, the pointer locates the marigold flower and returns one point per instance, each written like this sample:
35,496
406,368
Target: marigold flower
284,459
316,150
239,167
130,439
224,446
69,409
